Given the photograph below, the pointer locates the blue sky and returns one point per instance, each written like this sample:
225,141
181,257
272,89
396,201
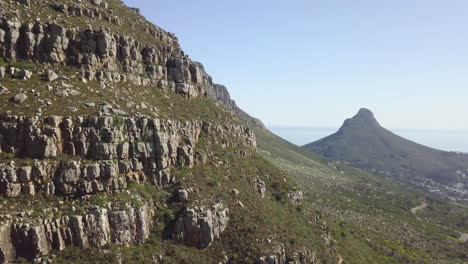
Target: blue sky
315,63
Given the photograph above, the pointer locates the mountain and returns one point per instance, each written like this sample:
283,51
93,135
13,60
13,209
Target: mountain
363,143
116,147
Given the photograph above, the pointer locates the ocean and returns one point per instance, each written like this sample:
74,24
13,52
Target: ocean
449,140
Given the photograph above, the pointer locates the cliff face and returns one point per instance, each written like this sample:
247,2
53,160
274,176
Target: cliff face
78,156
106,56
96,228
83,156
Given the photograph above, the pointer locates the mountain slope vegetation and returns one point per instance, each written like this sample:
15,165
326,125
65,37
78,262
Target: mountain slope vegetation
370,216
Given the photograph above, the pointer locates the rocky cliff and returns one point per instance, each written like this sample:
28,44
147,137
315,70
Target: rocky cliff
78,156
81,156
153,58
111,135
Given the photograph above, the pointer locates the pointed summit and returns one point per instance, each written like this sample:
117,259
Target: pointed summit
364,117
365,114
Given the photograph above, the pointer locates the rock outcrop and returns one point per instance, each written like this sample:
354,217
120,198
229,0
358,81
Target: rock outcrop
96,228
200,226
86,155
281,256
296,197
106,56
260,187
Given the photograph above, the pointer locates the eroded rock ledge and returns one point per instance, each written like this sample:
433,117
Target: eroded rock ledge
74,157
96,228
85,155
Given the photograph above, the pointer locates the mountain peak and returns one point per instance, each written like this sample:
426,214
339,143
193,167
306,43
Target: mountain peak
365,113
364,117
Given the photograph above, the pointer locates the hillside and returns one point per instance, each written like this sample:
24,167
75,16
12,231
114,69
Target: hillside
371,217
116,147
363,143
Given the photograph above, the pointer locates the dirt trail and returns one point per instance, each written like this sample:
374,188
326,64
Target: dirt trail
419,207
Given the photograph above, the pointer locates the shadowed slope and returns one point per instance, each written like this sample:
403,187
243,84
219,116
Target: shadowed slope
363,143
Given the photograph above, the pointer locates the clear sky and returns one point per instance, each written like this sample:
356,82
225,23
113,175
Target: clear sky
315,63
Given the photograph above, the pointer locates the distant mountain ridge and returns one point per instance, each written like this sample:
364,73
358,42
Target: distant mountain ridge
364,143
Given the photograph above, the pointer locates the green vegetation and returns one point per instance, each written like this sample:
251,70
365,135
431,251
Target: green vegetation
369,216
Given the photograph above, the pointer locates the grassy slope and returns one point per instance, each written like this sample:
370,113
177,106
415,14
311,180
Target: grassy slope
370,216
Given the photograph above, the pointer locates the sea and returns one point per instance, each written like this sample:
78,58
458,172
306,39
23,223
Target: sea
448,140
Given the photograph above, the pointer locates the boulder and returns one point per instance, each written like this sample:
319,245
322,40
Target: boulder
51,76
61,93
19,98
96,2
104,5
74,93
182,195
260,187
296,197
3,89
234,192
25,74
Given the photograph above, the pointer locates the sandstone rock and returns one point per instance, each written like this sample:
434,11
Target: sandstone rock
19,98
96,2
145,148
11,71
182,195
104,5
3,89
25,74
136,10
200,226
96,228
280,256
296,197
61,93
260,187
74,93
51,76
